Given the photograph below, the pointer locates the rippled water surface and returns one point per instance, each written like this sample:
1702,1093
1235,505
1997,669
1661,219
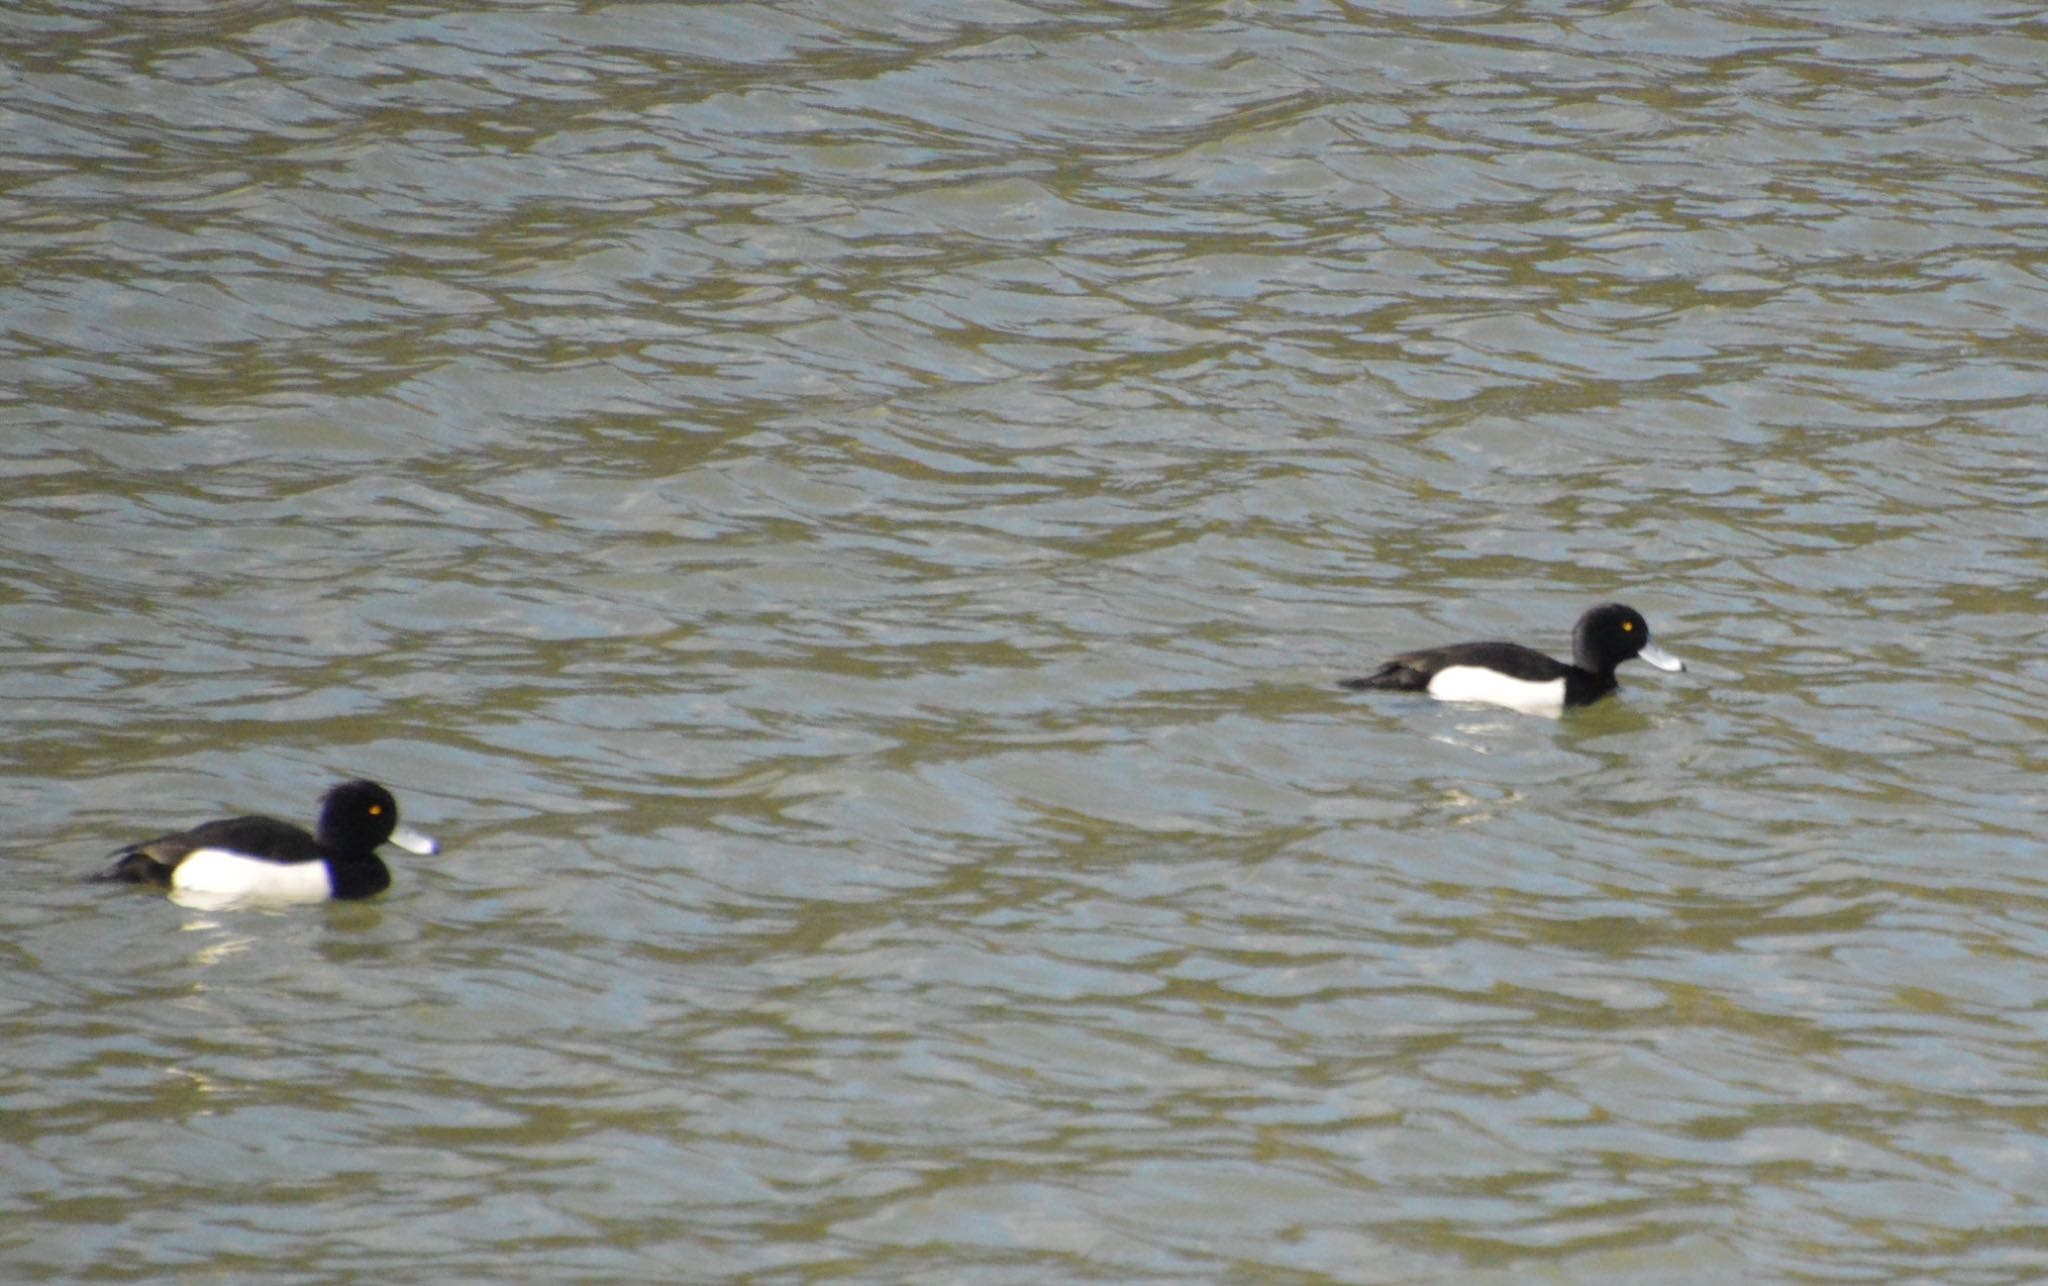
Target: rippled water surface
844,519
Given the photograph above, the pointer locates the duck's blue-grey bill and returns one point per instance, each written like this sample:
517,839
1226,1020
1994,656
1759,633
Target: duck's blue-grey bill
1658,657
413,841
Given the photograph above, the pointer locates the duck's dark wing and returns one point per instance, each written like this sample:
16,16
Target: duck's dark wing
1412,671
153,860
1409,672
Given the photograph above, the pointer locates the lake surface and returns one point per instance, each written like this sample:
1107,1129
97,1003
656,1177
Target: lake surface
845,519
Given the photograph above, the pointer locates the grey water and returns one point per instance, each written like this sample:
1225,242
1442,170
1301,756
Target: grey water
845,519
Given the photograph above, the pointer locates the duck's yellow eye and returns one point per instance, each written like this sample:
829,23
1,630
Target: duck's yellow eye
1628,627
376,810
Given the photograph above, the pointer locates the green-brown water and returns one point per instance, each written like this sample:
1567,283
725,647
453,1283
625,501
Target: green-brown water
844,518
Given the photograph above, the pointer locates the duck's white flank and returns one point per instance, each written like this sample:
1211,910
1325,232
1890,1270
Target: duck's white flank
1491,687
217,872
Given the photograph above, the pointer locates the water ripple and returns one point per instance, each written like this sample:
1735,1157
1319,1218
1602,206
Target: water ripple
844,522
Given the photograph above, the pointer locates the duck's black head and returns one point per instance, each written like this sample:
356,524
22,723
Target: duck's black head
357,816
1612,633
